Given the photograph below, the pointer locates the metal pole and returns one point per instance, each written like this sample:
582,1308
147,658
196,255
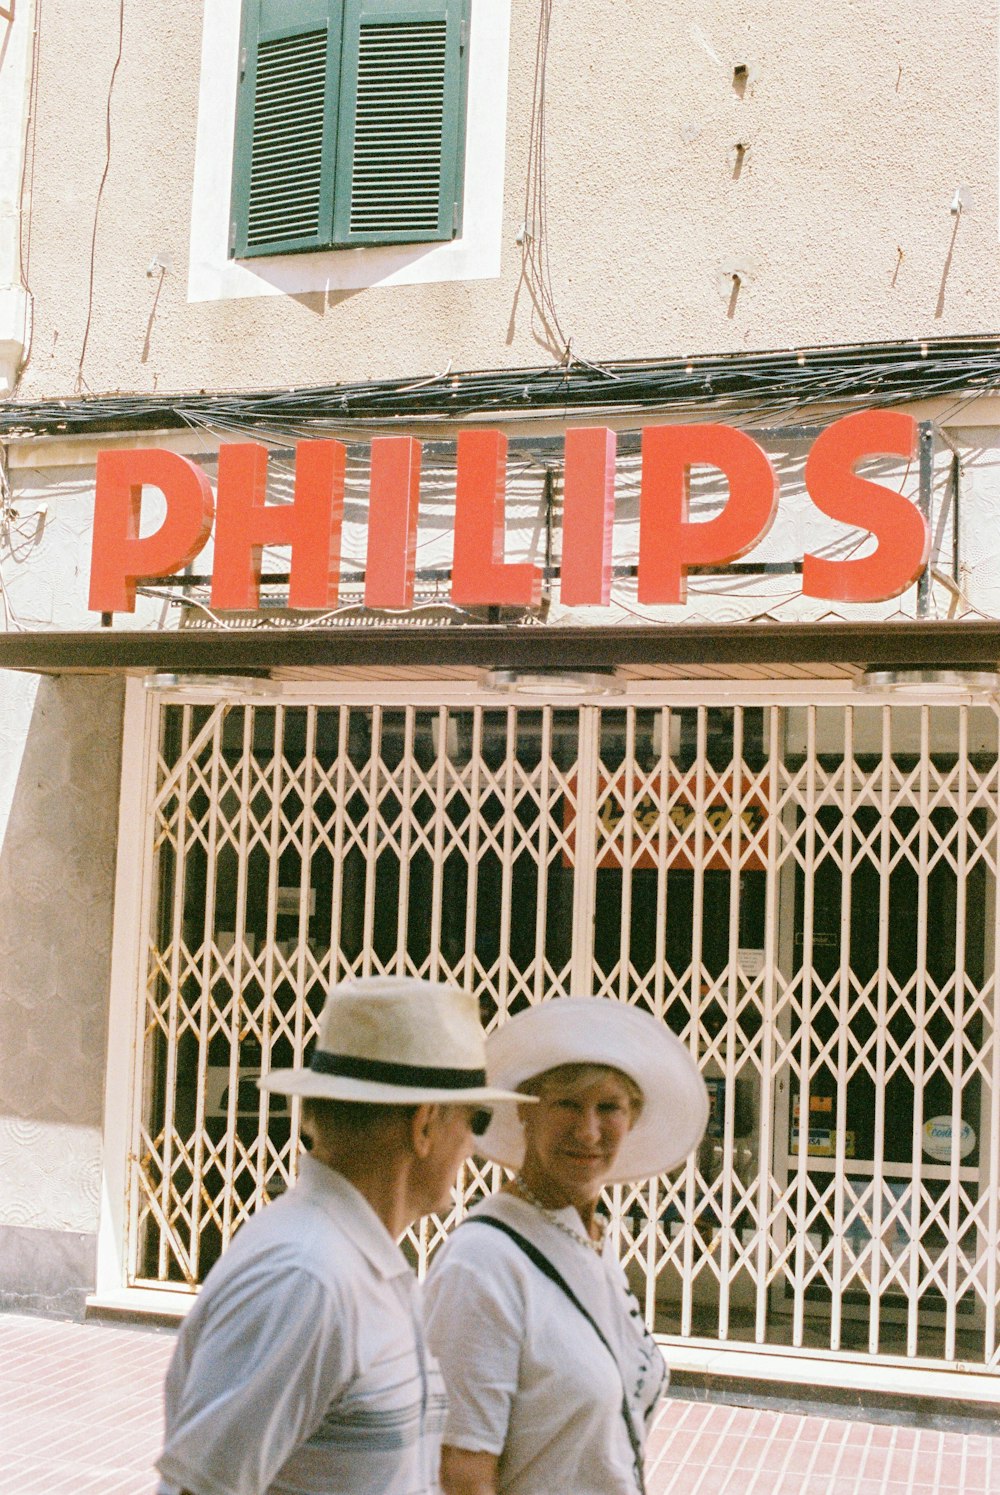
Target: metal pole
924,498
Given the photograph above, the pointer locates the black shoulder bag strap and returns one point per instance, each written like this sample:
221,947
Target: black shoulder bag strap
554,1275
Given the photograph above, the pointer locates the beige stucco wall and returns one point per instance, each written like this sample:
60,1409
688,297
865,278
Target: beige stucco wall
16,46
861,122
60,744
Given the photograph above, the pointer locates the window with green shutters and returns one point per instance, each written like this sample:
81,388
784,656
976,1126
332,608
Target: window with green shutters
350,125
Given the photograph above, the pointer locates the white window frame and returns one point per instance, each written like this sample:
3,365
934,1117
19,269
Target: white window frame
213,276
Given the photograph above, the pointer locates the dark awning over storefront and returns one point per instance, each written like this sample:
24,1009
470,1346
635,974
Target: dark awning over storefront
756,646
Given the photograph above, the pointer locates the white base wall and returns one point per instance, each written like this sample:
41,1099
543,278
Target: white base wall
60,746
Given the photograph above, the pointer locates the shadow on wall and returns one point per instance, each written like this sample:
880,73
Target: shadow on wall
60,744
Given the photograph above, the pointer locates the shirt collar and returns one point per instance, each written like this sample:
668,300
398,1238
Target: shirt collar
353,1214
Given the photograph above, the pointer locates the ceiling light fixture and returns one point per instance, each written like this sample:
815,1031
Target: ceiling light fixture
554,685
214,687
917,682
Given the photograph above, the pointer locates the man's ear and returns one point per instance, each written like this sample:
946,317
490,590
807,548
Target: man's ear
423,1126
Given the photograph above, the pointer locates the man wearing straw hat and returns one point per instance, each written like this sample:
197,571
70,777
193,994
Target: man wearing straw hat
302,1368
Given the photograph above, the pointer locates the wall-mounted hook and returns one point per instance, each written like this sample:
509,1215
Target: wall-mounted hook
744,77
730,281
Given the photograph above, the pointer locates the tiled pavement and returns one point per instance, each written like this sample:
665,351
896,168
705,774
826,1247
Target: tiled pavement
79,1407
80,1415
699,1449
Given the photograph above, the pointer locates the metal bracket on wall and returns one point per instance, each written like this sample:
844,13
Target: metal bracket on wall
929,435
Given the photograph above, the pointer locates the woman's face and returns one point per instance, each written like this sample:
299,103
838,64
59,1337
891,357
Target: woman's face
573,1135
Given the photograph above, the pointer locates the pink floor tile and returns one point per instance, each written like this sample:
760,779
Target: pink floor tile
850,1461
774,1457
751,1453
802,1456
713,1480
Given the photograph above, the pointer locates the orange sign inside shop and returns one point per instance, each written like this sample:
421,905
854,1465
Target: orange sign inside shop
664,824
671,542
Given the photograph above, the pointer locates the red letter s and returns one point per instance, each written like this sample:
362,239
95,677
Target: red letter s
900,530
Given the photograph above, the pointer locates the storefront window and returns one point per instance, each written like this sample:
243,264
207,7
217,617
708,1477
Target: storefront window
805,894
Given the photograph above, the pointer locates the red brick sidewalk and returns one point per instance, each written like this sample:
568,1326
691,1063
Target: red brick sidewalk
80,1415
698,1449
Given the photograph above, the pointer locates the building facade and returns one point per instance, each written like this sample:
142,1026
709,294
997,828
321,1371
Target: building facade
570,327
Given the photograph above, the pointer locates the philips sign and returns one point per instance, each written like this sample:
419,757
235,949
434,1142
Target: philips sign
670,541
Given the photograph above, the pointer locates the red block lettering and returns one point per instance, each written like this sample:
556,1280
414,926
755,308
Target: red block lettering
668,541
392,521
588,516
310,525
480,577
901,532
118,554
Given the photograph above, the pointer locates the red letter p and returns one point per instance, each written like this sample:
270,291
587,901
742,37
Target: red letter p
668,541
119,555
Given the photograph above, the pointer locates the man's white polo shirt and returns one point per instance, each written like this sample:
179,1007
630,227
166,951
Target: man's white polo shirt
301,1369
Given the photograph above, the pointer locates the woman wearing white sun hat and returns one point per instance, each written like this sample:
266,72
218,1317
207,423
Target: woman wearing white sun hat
551,1374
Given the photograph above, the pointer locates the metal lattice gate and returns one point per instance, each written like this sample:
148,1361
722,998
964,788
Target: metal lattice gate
805,893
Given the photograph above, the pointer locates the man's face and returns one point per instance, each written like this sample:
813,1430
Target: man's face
451,1142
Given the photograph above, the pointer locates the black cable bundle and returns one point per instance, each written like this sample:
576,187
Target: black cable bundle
767,386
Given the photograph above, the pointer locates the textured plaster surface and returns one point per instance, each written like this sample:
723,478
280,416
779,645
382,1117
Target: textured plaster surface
45,570
857,135
15,72
59,762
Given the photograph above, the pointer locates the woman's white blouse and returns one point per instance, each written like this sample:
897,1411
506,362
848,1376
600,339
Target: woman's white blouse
527,1378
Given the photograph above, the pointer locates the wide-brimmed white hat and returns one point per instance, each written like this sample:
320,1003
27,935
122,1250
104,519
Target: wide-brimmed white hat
595,1030
394,1040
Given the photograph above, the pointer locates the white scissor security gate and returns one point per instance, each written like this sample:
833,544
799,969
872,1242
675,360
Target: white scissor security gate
805,893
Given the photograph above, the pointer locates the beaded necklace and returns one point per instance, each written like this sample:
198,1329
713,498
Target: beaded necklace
552,1216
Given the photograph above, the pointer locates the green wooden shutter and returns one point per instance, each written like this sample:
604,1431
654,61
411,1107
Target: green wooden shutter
402,121
286,126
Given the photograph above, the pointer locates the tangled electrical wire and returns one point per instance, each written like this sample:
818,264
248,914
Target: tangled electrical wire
8,519
767,386
756,390
536,275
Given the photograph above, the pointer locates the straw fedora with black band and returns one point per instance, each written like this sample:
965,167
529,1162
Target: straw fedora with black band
597,1030
395,1040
